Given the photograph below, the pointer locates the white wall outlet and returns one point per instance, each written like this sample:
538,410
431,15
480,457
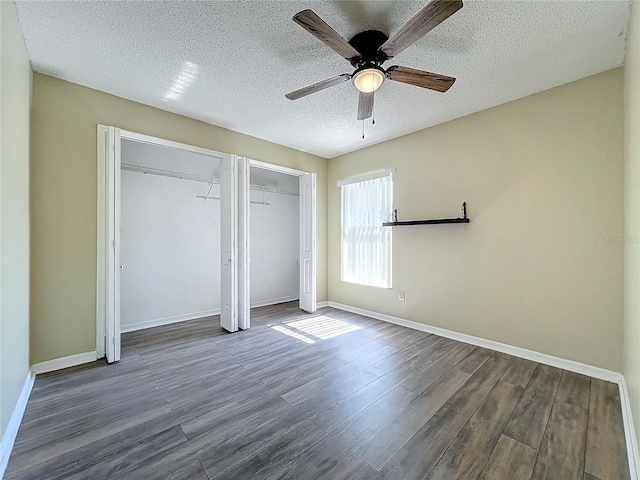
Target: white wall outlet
401,295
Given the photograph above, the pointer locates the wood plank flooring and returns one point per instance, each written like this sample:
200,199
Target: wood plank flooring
326,396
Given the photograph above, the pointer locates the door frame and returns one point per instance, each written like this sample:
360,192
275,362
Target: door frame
243,243
108,228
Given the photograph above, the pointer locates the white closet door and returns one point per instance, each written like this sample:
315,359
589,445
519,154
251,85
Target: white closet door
112,336
228,233
308,242
244,253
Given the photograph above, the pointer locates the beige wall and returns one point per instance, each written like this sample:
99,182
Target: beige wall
543,181
15,97
63,197
631,363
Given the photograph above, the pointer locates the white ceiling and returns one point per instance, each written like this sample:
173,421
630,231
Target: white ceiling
248,54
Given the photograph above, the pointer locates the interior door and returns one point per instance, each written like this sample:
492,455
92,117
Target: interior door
112,334
244,250
308,242
228,234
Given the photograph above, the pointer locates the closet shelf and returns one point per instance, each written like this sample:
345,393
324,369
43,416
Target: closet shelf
426,222
438,221
200,178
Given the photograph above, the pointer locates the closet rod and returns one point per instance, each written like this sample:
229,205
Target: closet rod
168,173
218,198
199,178
261,188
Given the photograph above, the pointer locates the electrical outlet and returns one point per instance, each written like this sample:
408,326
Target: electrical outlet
401,295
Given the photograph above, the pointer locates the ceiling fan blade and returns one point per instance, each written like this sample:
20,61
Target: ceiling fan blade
420,78
365,105
431,15
316,87
317,27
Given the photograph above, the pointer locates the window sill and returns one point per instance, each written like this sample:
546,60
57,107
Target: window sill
389,287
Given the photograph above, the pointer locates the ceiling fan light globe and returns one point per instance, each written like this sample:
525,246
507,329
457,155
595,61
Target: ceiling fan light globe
368,80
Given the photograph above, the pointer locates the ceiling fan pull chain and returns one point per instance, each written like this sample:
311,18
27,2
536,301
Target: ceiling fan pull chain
373,114
363,129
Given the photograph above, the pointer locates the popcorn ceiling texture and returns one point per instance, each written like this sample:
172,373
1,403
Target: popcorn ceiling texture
249,54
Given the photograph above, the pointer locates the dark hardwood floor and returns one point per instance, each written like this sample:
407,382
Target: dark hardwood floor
326,396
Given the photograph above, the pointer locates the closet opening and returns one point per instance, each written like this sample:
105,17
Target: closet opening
169,236
274,237
165,222
277,238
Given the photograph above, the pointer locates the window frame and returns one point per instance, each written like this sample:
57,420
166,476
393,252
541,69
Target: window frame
384,280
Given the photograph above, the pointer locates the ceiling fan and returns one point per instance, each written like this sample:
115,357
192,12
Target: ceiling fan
368,50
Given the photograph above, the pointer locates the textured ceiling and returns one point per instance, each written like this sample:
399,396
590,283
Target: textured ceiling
230,63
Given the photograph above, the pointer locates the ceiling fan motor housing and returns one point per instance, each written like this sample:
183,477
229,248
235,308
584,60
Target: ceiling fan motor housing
368,44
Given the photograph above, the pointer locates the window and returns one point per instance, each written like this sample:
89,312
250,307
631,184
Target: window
366,244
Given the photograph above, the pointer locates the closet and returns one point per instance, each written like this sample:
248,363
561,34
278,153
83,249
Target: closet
170,235
186,232
274,238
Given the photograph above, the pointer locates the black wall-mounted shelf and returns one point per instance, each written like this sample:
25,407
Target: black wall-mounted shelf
426,222
396,223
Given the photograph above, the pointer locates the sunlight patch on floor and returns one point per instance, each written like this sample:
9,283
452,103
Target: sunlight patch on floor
293,334
323,327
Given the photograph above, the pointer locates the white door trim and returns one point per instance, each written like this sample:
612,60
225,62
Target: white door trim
108,201
139,137
108,190
113,307
244,254
276,168
102,241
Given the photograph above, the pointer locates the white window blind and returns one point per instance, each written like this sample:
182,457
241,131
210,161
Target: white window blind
366,244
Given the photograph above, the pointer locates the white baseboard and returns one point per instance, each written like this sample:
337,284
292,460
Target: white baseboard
10,434
132,327
64,362
572,366
274,301
629,432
